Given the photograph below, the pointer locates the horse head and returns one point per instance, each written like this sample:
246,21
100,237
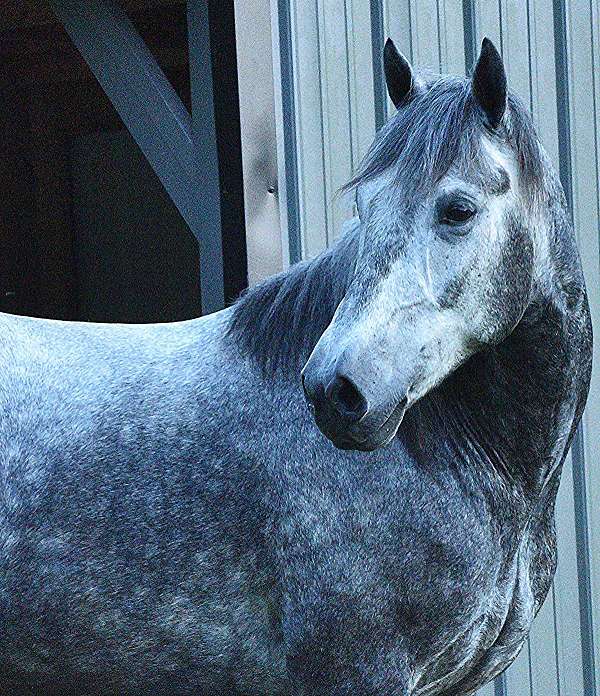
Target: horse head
450,244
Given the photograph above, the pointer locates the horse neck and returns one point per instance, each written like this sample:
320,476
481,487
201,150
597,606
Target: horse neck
519,402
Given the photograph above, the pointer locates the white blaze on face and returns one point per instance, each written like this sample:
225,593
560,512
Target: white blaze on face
409,341
502,159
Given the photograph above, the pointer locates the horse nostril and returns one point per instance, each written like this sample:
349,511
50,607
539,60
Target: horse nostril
347,398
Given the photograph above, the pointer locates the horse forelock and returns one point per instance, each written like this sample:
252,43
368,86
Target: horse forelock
441,127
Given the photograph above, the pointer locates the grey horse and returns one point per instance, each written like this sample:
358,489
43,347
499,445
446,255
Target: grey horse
173,521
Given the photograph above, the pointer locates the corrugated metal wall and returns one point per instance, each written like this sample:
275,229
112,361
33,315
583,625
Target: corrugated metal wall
332,96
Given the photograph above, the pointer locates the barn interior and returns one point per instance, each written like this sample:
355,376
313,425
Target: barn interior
87,231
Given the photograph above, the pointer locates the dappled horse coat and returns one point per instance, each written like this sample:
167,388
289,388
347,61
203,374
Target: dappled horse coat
344,484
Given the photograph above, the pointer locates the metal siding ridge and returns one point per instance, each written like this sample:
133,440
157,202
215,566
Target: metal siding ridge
377,42
323,125
566,600
500,686
439,33
451,34
362,97
349,65
288,103
565,164
577,447
529,59
469,23
583,565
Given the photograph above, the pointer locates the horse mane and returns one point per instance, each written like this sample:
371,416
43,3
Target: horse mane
279,321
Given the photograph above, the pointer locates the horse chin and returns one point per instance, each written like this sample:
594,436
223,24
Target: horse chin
364,446
380,437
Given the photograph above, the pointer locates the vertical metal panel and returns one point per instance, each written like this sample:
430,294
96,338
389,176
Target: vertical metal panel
335,113
451,37
592,417
397,15
543,669
470,32
429,33
566,598
377,42
258,135
362,55
425,32
312,193
397,23
337,116
288,123
581,110
543,75
517,680
514,31
488,22
487,690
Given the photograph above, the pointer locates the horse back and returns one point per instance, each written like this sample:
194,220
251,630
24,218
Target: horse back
128,525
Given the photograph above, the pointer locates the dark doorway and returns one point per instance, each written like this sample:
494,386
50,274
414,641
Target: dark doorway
86,229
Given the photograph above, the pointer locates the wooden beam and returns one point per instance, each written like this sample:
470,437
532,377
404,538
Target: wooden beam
182,153
204,134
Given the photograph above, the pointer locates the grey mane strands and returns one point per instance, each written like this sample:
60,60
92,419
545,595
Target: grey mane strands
424,138
441,127
279,321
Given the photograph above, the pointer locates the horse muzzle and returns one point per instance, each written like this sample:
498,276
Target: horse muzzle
343,413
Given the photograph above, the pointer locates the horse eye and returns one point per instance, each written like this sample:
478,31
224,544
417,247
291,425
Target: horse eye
457,214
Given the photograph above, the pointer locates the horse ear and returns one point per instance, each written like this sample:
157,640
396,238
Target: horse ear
489,83
398,73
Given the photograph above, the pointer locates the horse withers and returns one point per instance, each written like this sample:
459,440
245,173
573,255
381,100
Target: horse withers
173,521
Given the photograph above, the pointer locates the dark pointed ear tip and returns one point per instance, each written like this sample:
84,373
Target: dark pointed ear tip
390,51
398,74
489,83
489,58
488,48
390,46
